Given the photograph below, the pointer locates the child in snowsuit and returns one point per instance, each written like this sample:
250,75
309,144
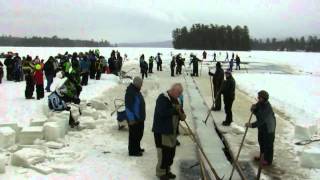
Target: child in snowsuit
38,78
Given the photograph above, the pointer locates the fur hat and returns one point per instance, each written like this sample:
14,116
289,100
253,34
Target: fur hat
137,82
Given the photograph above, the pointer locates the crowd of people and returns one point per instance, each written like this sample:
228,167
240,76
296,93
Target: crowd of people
78,68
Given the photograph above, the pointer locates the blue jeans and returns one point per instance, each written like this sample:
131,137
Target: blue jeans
49,81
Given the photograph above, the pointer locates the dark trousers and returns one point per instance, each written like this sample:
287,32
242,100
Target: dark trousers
178,69
49,82
238,67
165,156
228,109
159,66
1,75
84,80
98,75
40,91
150,68
135,136
195,70
9,74
144,74
172,71
29,86
92,74
217,101
266,140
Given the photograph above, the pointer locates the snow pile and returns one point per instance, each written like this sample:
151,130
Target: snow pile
297,95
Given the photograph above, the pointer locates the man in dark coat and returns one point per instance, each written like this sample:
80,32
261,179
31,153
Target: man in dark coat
159,62
28,70
92,59
136,115
217,80
10,66
228,91
266,124
167,114
195,64
151,59
49,72
180,63
237,62
204,55
172,65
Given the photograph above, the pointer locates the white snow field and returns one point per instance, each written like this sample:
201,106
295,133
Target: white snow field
291,78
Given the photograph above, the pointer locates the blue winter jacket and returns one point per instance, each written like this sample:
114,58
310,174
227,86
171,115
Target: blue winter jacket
84,65
135,105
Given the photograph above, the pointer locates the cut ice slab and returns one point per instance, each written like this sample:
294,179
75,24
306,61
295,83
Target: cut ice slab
7,137
304,132
310,157
38,121
27,157
52,131
29,134
62,118
2,164
87,122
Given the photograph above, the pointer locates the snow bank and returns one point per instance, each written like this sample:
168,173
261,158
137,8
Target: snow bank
297,95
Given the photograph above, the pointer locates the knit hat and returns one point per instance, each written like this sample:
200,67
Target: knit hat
137,82
38,67
264,94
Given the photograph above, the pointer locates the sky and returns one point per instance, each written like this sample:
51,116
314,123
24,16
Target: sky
153,20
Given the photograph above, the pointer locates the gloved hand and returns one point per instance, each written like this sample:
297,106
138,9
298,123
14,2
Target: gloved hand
182,116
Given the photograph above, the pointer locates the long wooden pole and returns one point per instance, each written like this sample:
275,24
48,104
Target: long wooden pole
240,148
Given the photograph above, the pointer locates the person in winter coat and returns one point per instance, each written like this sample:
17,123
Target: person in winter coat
180,63
38,79
28,70
112,63
17,71
228,90
159,62
172,65
99,67
214,57
49,72
168,113
217,80
227,57
84,69
266,124
151,59
120,61
231,64
1,72
195,63
92,59
136,115
143,67
237,62
9,63
204,55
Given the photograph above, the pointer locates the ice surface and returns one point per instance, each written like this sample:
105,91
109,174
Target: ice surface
88,111
52,131
98,104
29,134
27,157
7,137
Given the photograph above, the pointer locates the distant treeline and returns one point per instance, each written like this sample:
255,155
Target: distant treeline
54,41
201,36
312,43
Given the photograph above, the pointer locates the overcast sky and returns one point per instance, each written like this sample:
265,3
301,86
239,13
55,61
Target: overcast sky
154,20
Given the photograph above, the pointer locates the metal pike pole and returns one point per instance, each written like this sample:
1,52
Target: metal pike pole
202,152
240,148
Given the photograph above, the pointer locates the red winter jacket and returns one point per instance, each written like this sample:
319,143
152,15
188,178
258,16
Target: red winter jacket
38,77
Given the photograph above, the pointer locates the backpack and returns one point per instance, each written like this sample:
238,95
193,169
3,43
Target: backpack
56,103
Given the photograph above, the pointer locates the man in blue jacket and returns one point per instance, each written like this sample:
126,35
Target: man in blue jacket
136,114
168,113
